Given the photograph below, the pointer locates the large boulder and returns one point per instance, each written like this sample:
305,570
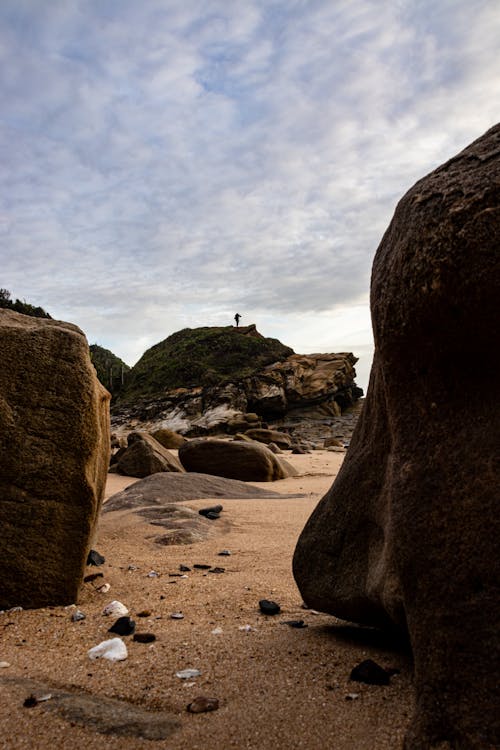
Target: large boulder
168,438
54,454
408,534
145,456
266,436
249,462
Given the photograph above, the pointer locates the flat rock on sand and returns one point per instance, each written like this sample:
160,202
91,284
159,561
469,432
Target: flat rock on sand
162,488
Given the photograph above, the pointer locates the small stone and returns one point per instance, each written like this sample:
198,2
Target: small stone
132,567
113,649
144,637
212,510
212,516
115,608
295,623
269,608
224,553
217,570
217,631
188,674
144,613
153,574
30,701
123,626
94,558
104,588
370,673
184,568
202,705
176,616
201,566
77,616
352,696
246,628
4,664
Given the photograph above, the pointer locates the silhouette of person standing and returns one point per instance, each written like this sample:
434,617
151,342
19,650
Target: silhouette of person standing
237,319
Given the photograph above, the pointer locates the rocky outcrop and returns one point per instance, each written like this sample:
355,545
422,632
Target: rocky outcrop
145,456
317,386
54,453
249,462
408,534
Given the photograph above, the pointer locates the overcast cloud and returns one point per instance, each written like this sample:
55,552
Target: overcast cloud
166,163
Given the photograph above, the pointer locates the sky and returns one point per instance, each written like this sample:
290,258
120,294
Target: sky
168,163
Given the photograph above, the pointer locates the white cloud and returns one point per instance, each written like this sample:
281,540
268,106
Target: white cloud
166,164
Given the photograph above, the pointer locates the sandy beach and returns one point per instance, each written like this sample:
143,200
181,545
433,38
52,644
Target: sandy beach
277,686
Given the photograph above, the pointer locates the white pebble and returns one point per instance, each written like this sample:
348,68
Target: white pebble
246,628
104,588
188,674
114,650
4,664
217,631
115,608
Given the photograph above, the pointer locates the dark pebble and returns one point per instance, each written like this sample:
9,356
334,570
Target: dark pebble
371,673
212,516
213,509
92,577
217,570
295,623
184,568
201,705
224,553
269,608
200,566
144,637
30,702
94,558
123,626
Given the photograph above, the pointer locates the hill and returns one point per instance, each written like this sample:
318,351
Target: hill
111,370
21,306
209,356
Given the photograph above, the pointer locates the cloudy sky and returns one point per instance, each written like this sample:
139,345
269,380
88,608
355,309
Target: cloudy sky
167,163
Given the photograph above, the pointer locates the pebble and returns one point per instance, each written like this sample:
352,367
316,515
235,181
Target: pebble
201,566
115,608
217,631
224,553
123,626
213,510
4,664
352,696
202,705
144,613
184,568
269,608
246,628
217,570
371,673
176,616
113,649
94,558
92,577
144,637
153,574
295,623
188,674
104,588
77,616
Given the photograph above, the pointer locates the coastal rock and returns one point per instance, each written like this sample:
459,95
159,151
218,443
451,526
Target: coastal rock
270,436
54,454
408,533
168,438
146,456
249,462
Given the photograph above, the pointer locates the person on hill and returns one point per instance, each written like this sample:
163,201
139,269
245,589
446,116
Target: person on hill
237,319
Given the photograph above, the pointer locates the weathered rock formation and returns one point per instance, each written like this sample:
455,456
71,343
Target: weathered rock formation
145,456
248,462
408,534
54,453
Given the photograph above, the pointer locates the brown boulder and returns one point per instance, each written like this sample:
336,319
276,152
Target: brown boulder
54,454
270,436
168,438
249,462
408,534
146,456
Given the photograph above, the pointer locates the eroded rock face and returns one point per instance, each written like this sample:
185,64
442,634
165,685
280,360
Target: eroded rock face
54,454
249,462
408,534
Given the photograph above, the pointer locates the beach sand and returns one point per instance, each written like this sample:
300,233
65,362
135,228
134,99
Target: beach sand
277,686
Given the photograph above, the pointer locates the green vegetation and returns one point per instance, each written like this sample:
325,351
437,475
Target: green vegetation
201,357
21,307
110,369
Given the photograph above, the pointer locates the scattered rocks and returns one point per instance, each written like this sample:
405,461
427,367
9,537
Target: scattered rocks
113,649
123,626
371,673
268,607
202,704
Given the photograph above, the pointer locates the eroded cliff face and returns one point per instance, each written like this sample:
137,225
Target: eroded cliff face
300,386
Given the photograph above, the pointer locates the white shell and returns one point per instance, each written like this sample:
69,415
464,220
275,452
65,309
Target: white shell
114,650
188,674
115,608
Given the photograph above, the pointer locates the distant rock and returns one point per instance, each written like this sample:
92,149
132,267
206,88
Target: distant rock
145,456
54,453
408,534
249,462
281,439
168,438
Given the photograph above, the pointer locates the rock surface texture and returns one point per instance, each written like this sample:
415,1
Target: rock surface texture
408,534
248,462
145,456
54,453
